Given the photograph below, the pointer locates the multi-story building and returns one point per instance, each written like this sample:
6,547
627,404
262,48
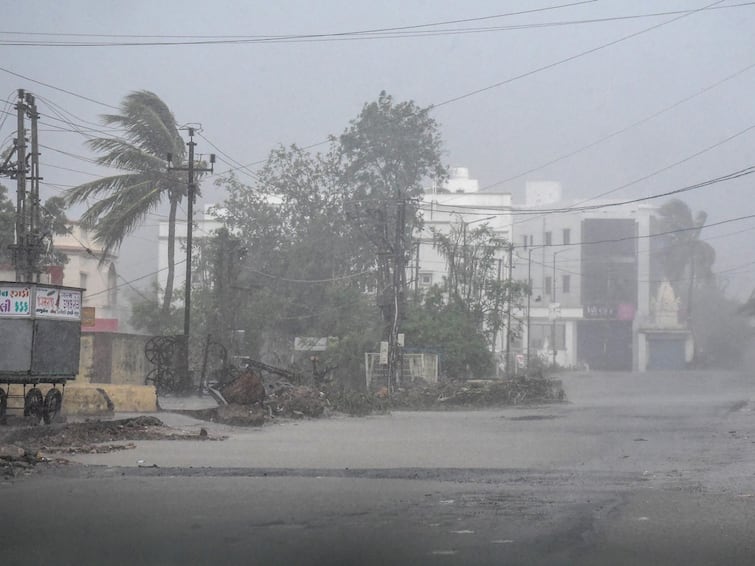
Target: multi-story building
595,281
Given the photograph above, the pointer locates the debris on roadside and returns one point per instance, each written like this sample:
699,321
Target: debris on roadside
246,389
478,393
30,444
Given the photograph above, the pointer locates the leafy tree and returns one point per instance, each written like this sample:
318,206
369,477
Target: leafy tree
304,268
123,200
474,280
687,260
453,332
387,153
54,223
7,225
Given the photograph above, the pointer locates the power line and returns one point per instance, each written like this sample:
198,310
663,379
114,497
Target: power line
622,130
572,57
405,32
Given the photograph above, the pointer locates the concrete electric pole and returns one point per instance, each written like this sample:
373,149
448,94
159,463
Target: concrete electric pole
191,168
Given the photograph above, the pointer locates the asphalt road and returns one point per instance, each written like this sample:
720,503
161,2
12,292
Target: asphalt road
632,469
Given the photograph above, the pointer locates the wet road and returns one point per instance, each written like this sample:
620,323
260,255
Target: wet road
633,469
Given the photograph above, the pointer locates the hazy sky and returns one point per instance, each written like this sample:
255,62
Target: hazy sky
565,86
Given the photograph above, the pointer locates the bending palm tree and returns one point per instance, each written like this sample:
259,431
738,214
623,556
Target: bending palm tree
124,200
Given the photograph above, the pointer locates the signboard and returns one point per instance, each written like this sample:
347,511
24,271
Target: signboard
88,316
400,340
310,344
384,352
15,300
57,303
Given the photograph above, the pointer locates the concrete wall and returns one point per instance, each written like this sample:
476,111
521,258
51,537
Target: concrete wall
113,358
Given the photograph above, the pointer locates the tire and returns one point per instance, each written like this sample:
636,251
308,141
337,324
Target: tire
34,404
53,403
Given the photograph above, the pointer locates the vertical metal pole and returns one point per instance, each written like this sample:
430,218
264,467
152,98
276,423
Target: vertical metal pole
20,250
509,306
34,219
529,303
189,228
553,301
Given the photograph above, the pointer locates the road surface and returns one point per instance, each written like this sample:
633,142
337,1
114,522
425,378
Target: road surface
632,469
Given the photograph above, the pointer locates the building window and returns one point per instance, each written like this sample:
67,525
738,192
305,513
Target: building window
565,284
525,242
548,238
426,279
82,280
567,236
548,285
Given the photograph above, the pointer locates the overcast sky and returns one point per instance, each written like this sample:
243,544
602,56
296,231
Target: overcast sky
554,89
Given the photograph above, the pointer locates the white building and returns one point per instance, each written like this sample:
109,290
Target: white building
594,273
205,225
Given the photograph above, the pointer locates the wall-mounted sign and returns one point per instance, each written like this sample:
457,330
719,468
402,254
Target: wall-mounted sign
57,303
15,300
600,311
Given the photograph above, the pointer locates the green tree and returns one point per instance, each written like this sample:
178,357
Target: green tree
387,153
304,268
449,329
7,225
123,200
687,259
475,276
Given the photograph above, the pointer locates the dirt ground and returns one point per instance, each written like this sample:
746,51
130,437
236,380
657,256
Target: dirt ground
24,445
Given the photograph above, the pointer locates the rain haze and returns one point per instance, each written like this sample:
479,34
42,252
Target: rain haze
550,365
550,82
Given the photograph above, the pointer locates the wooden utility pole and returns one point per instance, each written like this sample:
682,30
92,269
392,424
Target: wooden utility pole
191,168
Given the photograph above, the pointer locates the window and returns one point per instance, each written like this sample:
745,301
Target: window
565,284
525,242
548,285
567,236
82,279
548,238
426,279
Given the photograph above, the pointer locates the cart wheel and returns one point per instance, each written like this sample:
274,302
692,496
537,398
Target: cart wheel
3,402
34,404
159,350
53,402
151,378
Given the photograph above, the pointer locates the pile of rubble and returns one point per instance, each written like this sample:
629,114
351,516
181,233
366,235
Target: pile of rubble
22,446
478,393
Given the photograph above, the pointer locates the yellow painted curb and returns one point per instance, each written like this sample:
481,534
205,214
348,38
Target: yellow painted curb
92,399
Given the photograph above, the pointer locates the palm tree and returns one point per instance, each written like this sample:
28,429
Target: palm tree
686,254
124,200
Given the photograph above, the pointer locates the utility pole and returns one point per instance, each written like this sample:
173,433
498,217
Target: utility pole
509,306
191,168
529,303
27,246
399,277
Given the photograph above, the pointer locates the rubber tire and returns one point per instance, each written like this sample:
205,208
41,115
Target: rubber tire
53,404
